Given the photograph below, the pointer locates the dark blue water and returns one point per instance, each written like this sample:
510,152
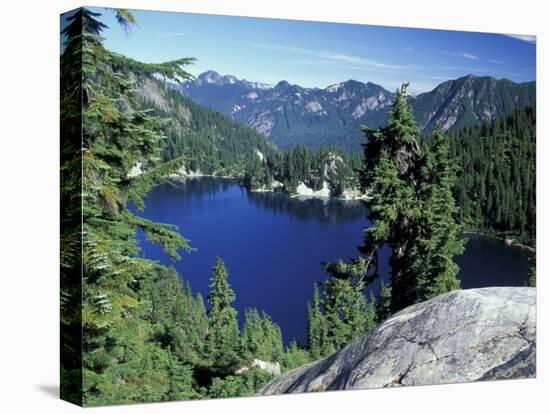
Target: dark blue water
274,245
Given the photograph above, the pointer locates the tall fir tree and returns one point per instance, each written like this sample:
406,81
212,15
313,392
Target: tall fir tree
97,88
223,332
317,327
389,174
437,241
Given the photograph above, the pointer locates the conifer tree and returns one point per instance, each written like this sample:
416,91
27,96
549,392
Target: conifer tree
223,333
252,335
295,356
411,209
317,327
383,305
180,385
102,140
436,242
273,340
390,175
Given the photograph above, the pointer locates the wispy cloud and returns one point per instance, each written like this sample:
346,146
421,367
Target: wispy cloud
174,34
525,38
329,56
408,49
464,55
464,68
498,62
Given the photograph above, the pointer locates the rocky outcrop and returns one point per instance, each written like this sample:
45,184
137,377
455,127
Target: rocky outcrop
272,368
461,336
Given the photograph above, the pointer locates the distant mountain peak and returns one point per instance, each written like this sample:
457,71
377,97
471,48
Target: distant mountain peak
211,77
290,114
282,84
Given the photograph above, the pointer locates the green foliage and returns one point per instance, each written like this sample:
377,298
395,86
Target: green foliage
496,188
295,356
390,173
180,381
145,336
383,305
436,241
344,314
223,333
260,337
330,165
238,385
412,210
318,342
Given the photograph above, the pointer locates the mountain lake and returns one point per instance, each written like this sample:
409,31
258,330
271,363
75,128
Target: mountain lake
274,245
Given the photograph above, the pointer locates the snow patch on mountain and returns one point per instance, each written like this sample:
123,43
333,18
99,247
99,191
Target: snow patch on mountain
313,106
333,88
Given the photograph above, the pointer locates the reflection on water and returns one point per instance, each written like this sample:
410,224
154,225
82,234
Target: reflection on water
321,209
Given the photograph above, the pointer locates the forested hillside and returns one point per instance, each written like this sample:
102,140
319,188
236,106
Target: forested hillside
209,142
496,189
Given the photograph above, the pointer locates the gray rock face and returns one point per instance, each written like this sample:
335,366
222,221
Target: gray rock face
461,336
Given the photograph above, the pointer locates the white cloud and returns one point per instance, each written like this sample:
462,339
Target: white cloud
462,54
498,62
329,56
408,49
175,34
525,38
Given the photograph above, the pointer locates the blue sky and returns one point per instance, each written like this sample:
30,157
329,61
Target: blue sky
316,54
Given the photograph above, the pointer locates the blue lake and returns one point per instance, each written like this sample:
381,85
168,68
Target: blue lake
274,245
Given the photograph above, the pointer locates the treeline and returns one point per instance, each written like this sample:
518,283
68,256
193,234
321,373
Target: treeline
496,188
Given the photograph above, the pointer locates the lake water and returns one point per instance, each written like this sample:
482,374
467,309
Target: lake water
274,245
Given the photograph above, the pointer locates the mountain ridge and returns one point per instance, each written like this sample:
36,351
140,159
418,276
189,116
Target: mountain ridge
291,114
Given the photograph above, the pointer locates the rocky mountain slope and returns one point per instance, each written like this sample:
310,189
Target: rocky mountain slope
470,99
212,143
461,336
291,114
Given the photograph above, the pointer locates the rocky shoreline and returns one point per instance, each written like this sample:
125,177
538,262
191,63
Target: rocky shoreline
302,191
